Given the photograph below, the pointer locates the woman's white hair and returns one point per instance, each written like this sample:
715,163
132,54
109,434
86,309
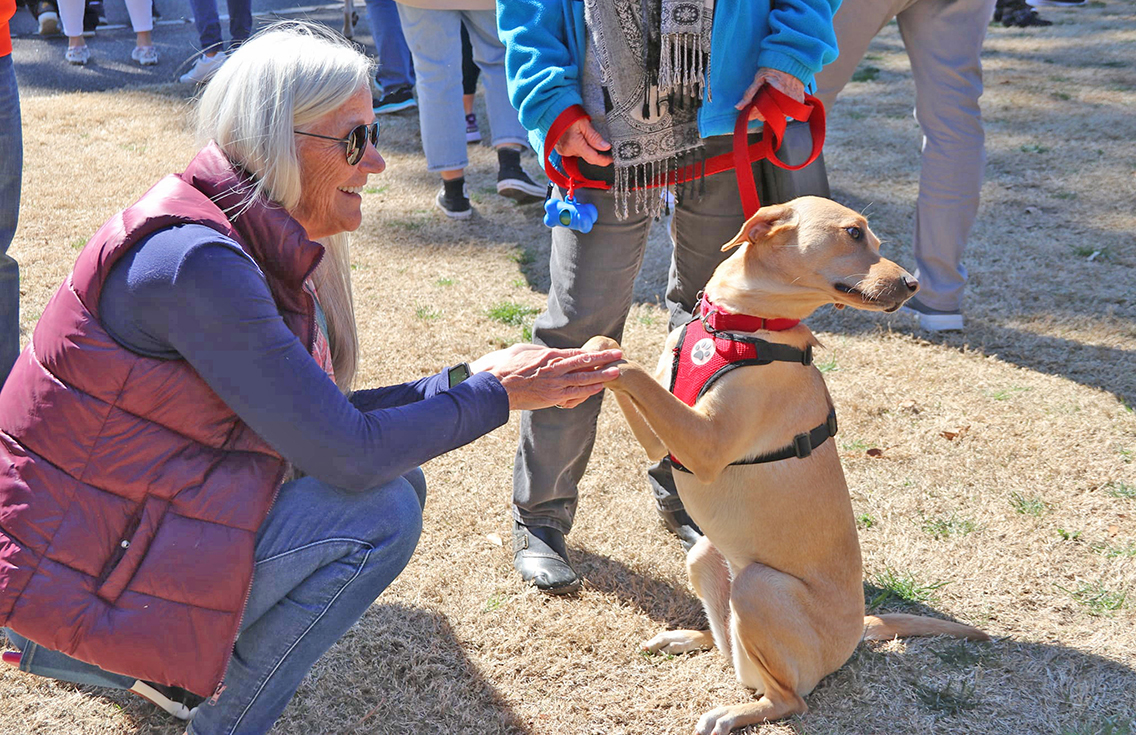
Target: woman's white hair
283,79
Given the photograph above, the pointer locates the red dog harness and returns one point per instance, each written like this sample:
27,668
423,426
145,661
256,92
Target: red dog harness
708,348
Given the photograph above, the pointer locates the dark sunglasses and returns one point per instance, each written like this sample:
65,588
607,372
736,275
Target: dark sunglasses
356,140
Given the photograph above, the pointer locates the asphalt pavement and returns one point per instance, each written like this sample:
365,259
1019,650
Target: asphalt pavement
42,70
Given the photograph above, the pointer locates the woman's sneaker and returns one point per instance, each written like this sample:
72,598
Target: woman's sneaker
453,199
472,132
78,55
513,182
175,700
203,69
47,14
145,55
399,98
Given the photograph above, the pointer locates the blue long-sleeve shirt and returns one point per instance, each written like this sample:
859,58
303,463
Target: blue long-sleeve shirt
545,43
189,292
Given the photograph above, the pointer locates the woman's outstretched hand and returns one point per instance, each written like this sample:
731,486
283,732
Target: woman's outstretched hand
539,377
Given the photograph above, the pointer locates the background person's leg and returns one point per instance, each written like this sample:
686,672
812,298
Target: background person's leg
323,556
208,24
240,22
489,55
434,38
395,66
11,175
944,40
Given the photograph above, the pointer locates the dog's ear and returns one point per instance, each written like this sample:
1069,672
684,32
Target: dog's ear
765,223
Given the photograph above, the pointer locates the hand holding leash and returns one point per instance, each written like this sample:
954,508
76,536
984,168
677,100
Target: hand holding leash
785,83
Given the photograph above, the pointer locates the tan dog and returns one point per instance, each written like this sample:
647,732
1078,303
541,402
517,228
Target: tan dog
779,569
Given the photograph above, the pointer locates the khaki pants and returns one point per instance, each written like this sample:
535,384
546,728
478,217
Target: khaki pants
943,39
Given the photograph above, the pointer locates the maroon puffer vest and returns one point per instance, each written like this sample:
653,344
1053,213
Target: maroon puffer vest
130,494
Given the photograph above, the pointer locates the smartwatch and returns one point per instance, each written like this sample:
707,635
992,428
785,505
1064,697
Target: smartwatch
458,373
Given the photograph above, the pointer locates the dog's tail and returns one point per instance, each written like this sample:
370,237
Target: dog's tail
899,625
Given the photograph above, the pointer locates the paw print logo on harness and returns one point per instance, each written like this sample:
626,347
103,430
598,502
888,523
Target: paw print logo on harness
702,351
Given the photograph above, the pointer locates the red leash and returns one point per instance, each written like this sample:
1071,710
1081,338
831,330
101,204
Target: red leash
774,105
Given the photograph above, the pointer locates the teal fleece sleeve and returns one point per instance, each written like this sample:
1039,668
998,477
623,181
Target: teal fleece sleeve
801,38
543,53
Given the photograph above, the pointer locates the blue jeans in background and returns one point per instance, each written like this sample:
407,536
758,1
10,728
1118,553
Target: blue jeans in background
323,555
11,172
434,37
209,23
396,69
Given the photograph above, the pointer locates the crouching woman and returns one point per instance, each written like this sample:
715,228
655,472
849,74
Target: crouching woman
153,530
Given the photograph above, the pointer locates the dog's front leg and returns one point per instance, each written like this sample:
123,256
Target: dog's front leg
704,443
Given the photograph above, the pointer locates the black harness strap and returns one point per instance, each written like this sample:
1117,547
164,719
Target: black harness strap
802,446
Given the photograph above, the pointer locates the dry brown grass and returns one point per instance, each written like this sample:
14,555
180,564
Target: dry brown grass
1017,514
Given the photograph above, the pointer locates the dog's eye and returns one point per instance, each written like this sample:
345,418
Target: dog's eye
854,232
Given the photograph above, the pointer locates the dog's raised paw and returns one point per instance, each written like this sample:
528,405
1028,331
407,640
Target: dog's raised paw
680,641
600,342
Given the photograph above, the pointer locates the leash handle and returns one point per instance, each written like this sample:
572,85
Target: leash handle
775,106
574,179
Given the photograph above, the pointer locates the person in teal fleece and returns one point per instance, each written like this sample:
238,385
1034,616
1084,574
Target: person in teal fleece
661,83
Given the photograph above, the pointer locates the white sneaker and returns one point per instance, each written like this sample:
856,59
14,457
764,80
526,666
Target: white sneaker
203,69
145,55
78,55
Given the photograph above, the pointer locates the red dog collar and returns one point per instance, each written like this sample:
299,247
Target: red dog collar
718,319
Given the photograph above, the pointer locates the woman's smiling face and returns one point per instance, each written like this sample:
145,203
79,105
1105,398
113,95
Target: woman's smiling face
330,188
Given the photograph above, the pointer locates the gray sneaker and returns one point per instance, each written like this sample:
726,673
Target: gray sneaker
934,320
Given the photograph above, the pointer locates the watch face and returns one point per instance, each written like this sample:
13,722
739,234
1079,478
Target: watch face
458,373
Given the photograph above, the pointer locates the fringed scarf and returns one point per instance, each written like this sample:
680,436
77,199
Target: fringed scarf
654,56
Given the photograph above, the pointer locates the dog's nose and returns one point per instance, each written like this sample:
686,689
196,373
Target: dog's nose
911,283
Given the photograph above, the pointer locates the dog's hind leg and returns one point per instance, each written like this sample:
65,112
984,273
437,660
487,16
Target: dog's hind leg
710,575
777,651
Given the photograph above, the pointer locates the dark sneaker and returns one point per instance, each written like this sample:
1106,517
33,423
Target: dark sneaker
399,98
472,132
175,700
513,182
680,524
935,320
454,205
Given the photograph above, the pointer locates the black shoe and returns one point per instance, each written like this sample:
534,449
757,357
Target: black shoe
680,524
513,182
540,556
399,98
453,201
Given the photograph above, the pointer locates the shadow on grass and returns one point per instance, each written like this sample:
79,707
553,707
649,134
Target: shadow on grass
673,607
400,669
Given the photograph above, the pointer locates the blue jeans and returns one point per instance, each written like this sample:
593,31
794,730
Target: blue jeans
11,172
323,555
434,37
209,23
395,66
